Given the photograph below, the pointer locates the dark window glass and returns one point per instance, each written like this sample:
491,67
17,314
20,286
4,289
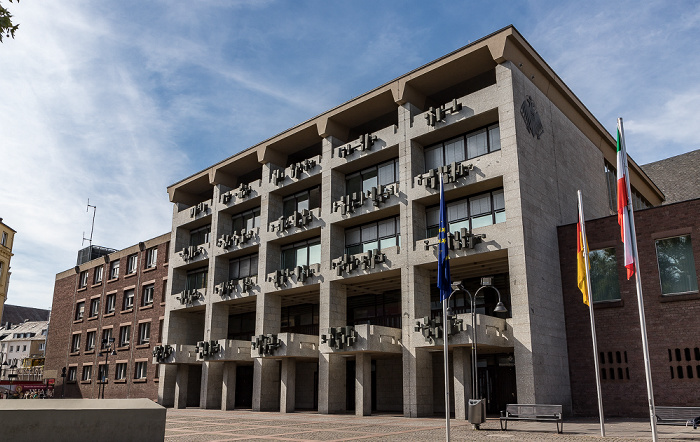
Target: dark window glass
467,146
605,284
676,265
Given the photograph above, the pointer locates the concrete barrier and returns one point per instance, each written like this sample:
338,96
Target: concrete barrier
82,420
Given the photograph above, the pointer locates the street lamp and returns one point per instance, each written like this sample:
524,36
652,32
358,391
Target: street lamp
107,344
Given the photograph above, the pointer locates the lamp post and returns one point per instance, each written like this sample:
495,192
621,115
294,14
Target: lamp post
107,344
486,282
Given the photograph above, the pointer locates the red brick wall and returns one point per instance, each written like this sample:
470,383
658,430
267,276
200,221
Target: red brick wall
62,326
672,322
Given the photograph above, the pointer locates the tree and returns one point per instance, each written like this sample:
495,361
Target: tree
7,29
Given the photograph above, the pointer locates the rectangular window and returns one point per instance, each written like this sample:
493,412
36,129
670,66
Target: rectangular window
124,335
200,235
94,307
381,174
469,213
3,241
107,338
132,263
375,235
140,370
246,221
464,147
42,346
676,265
1,269
98,275
75,343
90,340
144,332
243,267
72,374
197,279
79,310
102,373
87,372
605,285
147,298
120,371
151,257
301,254
307,200
128,299
83,279
110,303
114,269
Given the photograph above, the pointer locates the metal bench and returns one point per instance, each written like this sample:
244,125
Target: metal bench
676,415
532,412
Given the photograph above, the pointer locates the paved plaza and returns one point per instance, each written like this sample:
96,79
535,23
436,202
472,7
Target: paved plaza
212,425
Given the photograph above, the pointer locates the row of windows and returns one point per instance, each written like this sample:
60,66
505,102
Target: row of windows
379,175
473,212
675,262
143,337
464,147
147,296
131,267
120,372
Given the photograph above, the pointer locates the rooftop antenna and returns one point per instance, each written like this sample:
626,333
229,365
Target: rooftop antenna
92,229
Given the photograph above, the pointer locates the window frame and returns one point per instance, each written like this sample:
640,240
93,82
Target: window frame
493,211
79,311
296,247
128,294
120,370
193,275
195,233
94,308
692,266
75,343
72,375
124,335
87,370
151,257
252,269
614,272
132,263
314,203
465,145
145,299
99,273
375,168
83,279
140,370
144,333
114,269
90,338
110,303
244,217
377,238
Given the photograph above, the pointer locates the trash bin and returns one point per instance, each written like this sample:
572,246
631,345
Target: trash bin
477,411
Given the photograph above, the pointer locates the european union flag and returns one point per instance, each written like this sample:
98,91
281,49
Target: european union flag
444,280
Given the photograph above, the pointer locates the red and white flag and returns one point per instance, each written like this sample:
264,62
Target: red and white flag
623,216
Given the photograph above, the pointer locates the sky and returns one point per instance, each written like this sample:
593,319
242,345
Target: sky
114,101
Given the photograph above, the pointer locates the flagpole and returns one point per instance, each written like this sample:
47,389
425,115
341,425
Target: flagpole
590,309
640,298
445,300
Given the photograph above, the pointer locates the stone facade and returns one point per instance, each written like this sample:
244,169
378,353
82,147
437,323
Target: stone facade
365,257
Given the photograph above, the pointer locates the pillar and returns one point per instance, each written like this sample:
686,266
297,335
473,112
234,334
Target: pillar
181,381
288,385
363,384
228,386
462,385
331,367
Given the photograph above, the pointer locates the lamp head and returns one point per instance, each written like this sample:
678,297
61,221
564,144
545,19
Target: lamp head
500,308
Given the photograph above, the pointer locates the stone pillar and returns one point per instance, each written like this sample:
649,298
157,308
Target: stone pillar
462,385
228,386
331,367
181,382
288,385
210,391
363,384
166,386
266,381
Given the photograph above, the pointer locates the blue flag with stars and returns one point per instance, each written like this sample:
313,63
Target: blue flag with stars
444,280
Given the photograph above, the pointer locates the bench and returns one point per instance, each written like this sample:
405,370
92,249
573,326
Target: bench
532,412
676,415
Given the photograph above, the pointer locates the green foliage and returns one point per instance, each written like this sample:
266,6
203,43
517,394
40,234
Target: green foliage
7,28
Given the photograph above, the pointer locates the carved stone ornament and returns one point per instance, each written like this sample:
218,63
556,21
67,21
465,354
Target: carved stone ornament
532,119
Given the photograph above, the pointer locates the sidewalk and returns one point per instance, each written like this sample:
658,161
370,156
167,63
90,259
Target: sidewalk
213,425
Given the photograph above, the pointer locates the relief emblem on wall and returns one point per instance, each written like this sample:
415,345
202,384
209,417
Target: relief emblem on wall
532,119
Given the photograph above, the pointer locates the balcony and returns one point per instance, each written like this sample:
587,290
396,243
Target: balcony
223,350
299,221
295,276
193,213
491,332
239,239
364,145
235,288
296,171
244,192
178,354
282,345
365,338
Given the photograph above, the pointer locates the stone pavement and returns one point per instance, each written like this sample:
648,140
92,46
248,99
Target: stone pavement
213,425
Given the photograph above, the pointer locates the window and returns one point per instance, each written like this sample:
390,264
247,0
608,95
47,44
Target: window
301,254
94,307
376,235
114,269
3,241
124,335
24,348
676,265
308,199
144,332
470,213
246,221
464,147
140,371
167,251
87,372
107,338
90,340
381,174
131,263
197,279
10,348
120,371
98,275
638,201
83,279
128,299
605,285
42,346
200,235
102,373
147,298
79,310
151,257
72,375
110,303
160,331
243,267
1,269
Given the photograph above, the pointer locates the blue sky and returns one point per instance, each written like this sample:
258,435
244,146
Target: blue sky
114,101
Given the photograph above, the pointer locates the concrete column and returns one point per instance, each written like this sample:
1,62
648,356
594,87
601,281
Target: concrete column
228,386
181,382
210,391
462,385
288,385
331,367
166,386
363,384
266,381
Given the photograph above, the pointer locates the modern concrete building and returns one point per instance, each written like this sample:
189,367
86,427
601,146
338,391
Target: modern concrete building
118,297
22,349
7,239
318,245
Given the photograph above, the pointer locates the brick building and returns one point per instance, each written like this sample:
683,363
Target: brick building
117,296
327,231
